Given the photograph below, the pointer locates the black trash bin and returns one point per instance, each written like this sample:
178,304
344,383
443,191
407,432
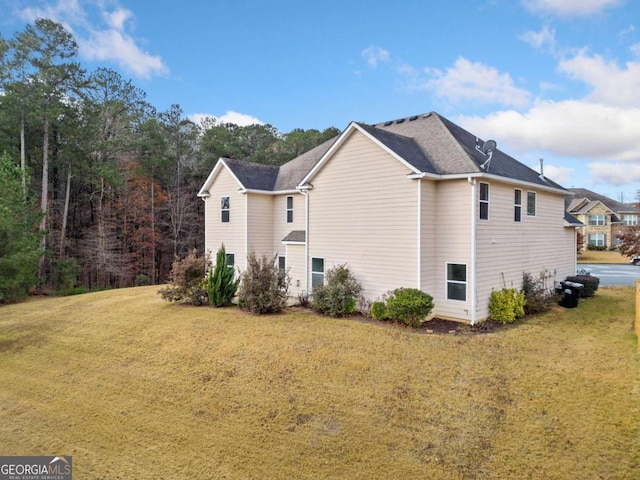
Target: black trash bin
570,292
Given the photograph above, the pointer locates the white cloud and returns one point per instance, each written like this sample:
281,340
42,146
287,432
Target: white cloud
560,175
229,117
374,55
611,85
614,173
477,82
568,128
567,8
111,41
544,38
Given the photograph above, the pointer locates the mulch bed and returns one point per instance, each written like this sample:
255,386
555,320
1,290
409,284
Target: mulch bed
450,327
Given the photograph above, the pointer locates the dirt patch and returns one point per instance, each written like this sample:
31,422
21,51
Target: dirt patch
450,327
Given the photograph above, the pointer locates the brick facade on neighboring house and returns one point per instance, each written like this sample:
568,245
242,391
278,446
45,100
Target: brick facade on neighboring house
603,218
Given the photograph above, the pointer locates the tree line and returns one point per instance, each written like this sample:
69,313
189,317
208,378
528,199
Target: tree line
98,186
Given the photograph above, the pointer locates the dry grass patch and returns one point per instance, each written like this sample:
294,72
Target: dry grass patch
595,256
133,387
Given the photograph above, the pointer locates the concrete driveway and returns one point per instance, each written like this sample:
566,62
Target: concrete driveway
613,274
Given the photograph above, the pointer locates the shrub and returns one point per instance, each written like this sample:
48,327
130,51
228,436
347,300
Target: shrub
65,274
407,305
303,300
142,279
263,287
379,310
537,298
506,305
590,283
221,282
596,248
187,284
337,297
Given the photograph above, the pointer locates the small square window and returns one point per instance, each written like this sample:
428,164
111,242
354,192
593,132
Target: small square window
231,259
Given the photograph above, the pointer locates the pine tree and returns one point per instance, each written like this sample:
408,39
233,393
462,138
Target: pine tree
221,282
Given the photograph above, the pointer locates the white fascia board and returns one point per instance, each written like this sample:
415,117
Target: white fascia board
269,192
286,242
204,191
511,181
343,137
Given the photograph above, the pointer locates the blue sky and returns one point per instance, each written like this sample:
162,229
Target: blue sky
552,79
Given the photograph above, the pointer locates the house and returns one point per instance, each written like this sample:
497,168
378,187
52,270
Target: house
416,202
602,218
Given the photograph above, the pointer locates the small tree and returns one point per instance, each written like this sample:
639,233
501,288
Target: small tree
263,288
221,282
187,281
630,236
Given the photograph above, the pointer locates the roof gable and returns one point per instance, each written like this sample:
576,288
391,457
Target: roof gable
609,203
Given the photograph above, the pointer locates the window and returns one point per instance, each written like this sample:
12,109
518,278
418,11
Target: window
317,272
630,220
531,204
456,281
224,209
484,201
597,239
231,259
289,209
596,220
282,263
517,206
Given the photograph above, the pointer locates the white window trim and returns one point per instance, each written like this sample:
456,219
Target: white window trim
597,218
481,201
228,209
535,204
517,205
289,209
316,272
465,283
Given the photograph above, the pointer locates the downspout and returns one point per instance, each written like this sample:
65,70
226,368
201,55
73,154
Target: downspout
419,262
246,230
306,243
472,276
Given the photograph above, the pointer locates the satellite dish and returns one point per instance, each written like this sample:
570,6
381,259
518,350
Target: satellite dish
489,146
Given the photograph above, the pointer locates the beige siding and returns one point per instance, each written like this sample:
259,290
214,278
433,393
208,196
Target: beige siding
453,245
429,236
295,268
260,224
539,245
364,212
232,234
280,226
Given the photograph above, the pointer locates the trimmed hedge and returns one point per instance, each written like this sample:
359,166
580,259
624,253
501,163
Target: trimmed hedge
590,283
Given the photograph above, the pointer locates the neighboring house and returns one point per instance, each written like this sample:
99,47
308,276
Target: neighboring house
407,203
602,218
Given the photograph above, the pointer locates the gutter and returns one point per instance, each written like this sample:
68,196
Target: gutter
472,275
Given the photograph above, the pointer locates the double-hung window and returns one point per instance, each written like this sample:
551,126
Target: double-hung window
230,259
630,220
484,201
456,281
224,209
597,220
531,204
317,272
597,239
517,205
289,209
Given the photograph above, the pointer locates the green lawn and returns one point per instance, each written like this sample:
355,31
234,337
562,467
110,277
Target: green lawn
133,387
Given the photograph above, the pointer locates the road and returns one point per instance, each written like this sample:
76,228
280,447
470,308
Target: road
613,274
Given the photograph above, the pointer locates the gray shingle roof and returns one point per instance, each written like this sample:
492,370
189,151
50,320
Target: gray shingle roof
296,236
429,142
584,199
254,176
